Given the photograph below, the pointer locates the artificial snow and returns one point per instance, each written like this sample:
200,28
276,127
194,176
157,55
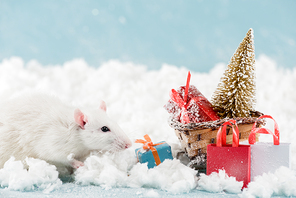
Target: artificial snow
135,98
281,183
114,170
109,170
170,175
39,176
219,182
151,193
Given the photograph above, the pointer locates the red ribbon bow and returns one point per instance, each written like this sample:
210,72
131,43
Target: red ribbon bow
148,145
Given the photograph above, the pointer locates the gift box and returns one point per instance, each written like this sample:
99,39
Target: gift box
153,154
234,158
267,157
187,104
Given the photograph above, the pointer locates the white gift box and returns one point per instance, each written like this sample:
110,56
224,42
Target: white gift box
267,157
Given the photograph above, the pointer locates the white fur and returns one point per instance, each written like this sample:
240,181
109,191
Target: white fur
41,126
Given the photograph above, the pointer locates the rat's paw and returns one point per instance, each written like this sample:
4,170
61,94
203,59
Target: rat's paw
76,164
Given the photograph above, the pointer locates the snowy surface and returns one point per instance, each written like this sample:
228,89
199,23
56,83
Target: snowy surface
135,98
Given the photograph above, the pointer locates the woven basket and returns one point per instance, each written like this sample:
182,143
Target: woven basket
195,137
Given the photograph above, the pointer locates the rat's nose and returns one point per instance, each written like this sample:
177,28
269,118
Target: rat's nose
128,145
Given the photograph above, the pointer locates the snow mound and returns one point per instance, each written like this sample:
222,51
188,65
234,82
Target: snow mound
117,170
281,183
151,193
219,182
108,170
170,175
39,176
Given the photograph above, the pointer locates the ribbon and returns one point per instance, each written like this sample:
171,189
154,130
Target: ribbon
221,134
187,87
148,145
182,103
276,134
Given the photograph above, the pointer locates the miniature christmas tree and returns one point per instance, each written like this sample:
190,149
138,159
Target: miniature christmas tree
235,94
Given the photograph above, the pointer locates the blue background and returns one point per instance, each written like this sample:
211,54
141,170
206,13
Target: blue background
191,33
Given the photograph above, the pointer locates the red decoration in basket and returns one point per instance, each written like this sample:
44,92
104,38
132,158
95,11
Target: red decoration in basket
189,105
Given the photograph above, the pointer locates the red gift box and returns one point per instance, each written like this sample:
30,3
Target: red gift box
235,159
189,105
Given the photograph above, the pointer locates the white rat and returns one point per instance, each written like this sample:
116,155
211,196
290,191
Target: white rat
43,127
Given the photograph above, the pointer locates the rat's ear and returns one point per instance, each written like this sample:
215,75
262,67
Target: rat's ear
80,118
103,105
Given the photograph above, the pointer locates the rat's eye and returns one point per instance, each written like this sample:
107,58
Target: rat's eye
105,129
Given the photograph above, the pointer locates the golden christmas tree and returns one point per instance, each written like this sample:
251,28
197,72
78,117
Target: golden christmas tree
235,94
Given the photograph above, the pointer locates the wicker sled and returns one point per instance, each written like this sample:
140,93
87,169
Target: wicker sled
195,137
